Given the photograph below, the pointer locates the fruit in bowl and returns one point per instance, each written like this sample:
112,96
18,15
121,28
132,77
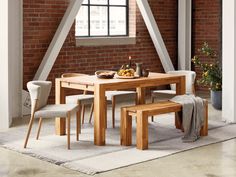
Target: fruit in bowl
126,72
105,74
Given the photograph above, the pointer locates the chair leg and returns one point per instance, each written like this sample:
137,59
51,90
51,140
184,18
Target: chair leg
153,99
136,99
105,115
83,112
91,113
68,130
29,130
193,89
113,110
39,128
78,122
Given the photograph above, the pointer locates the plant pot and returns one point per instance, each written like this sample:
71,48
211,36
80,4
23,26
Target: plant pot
216,99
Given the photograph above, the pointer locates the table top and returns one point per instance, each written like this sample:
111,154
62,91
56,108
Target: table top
93,80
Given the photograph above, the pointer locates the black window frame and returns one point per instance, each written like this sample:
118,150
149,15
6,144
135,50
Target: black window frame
108,5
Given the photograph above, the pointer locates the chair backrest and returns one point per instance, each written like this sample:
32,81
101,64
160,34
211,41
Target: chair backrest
72,75
190,77
39,90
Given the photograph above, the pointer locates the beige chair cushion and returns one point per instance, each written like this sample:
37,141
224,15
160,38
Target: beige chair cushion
190,77
52,111
156,92
110,94
83,99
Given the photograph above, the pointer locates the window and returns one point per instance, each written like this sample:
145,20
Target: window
102,18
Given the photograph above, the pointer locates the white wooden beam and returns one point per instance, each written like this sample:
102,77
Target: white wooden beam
229,61
58,40
155,34
184,34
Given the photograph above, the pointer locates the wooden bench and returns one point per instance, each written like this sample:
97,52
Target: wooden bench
142,112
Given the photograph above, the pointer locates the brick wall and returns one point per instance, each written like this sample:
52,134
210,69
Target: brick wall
42,17
207,27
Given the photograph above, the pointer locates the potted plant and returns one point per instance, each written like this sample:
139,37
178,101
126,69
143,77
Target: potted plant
211,74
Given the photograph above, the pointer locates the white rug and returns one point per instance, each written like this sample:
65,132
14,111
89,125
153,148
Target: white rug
84,157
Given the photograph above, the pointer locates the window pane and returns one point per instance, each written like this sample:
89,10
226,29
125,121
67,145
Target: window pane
118,21
118,2
98,1
81,27
98,21
85,2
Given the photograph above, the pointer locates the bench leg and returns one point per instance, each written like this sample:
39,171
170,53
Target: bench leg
142,131
178,121
125,128
204,129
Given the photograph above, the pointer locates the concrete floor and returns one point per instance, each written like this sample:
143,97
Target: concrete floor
217,160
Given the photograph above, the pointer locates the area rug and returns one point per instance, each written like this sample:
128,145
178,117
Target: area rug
87,158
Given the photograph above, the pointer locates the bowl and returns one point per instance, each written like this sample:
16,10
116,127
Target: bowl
105,74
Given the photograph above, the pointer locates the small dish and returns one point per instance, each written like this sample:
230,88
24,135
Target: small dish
105,74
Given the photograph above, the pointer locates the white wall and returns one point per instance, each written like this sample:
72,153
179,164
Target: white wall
4,98
15,55
229,61
10,61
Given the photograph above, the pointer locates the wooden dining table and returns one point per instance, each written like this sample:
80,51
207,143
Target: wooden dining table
100,86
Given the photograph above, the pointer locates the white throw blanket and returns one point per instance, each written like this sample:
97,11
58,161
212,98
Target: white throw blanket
192,116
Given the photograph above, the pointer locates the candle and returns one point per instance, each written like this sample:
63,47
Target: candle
130,58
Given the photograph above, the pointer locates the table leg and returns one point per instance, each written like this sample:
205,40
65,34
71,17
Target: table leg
181,86
60,123
99,115
140,95
180,90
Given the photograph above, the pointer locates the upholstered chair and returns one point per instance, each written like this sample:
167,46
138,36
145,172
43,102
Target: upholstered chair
39,92
81,99
190,77
190,80
113,96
